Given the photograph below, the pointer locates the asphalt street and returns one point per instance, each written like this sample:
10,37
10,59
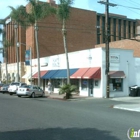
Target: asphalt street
52,119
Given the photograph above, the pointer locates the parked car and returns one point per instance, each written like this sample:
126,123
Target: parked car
1,84
13,87
4,88
30,91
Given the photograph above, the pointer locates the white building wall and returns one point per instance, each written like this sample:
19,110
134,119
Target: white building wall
94,58
137,71
127,64
97,62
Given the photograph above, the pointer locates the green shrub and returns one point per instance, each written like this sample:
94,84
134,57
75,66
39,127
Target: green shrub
67,89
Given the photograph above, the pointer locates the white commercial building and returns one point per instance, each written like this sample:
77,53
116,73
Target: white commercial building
87,71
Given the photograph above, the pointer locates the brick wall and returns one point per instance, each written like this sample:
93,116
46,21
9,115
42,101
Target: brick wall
81,33
125,44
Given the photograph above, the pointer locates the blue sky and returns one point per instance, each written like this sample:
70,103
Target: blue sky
92,5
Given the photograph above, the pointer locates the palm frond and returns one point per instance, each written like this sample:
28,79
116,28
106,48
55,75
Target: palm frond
2,21
6,43
36,12
19,15
67,88
46,10
63,11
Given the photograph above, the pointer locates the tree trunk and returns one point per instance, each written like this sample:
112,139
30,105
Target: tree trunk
37,51
5,54
17,56
64,33
6,68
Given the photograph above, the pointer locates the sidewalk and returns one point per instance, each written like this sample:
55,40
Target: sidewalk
131,103
61,97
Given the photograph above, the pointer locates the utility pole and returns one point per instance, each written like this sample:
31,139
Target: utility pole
107,4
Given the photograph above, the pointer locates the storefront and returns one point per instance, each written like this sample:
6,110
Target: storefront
87,71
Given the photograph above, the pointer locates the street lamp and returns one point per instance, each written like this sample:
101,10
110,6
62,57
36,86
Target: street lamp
18,44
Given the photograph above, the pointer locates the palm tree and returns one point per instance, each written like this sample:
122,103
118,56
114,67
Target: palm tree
37,11
5,44
63,14
67,89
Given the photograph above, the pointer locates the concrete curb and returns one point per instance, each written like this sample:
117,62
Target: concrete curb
132,107
74,98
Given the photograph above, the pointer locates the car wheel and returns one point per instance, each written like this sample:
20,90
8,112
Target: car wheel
3,92
11,93
33,95
19,96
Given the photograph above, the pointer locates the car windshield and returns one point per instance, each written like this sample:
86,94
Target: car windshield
5,85
17,84
27,86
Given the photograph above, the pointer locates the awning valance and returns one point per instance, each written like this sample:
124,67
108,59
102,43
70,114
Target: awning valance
28,75
60,74
49,74
87,73
117,74
93,73
42,73
79,73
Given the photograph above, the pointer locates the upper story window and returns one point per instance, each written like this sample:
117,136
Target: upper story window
134,29
129,29
114,29
124,31
119,29
98,29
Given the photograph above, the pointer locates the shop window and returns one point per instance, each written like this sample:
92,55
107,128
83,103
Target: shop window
96,82
116,84
56,83
64,81
74,82
84,84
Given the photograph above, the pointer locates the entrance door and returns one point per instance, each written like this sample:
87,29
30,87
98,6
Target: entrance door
90,87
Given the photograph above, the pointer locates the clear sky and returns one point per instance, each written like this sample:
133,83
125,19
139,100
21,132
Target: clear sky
84,4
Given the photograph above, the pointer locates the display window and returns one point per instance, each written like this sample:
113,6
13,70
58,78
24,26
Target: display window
84,84
75,82
116,84
56,83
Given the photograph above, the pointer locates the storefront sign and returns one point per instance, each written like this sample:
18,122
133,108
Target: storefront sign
27,57
115,58
55,62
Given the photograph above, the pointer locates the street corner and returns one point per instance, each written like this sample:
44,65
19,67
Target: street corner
128,107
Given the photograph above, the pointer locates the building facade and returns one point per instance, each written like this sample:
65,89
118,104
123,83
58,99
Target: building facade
85,29
88,72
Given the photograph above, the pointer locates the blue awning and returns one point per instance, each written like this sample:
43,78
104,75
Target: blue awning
49,74
60,74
